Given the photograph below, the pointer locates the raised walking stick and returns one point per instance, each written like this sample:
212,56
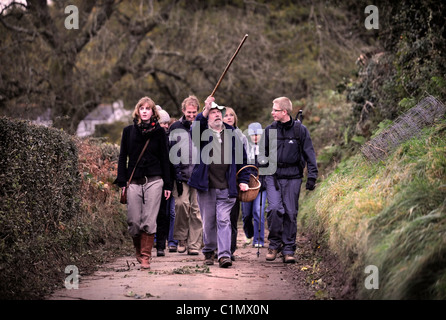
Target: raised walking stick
229,64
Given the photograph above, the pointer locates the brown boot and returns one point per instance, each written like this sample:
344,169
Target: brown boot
271,255
137,245
146,249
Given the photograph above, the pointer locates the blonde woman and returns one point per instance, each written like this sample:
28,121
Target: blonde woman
231,119
151,174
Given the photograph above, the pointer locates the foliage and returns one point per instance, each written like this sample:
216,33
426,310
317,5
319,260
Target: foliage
323,113
408,64
391,215
50,215
168,50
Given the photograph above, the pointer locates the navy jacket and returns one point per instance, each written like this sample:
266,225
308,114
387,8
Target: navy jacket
200,177
293,153
183,170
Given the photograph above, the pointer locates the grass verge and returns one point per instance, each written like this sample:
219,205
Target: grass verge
391,215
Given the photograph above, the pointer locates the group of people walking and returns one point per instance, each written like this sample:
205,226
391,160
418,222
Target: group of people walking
182,180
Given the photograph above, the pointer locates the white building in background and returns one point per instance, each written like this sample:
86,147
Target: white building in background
104,113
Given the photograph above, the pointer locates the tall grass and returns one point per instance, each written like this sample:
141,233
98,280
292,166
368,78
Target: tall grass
391,215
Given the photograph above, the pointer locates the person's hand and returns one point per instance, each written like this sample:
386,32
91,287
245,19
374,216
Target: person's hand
243,187
179,188
207,105
311,184
167,194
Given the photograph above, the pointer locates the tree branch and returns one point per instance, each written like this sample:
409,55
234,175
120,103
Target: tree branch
92,30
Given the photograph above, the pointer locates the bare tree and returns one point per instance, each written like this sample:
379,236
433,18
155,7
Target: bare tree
69,89
165,49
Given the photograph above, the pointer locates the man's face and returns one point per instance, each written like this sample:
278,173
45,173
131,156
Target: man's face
215,119
190,112
278,113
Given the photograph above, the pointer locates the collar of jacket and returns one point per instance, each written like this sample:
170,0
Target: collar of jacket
286,125
185,122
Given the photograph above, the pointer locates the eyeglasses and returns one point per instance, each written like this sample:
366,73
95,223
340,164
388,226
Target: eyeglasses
277,110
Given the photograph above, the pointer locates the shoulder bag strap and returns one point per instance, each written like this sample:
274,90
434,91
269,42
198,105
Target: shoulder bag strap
137,161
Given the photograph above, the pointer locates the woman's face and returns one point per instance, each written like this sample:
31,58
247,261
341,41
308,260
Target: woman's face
164,125
229,118
145,112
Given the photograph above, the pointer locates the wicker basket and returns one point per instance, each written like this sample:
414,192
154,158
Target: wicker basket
254,186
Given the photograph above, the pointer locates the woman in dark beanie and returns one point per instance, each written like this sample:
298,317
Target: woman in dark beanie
151,174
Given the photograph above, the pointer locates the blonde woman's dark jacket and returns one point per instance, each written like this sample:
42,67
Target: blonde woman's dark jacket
154,162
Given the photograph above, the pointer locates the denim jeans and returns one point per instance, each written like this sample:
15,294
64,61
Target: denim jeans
171,217
252,211
215,208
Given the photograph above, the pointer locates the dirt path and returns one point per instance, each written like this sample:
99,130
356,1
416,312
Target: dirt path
184,277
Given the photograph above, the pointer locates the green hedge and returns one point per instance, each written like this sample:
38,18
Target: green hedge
49,212
39,191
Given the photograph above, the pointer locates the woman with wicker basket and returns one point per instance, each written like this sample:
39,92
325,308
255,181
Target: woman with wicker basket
253,211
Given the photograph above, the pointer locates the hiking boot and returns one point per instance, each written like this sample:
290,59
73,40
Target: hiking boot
225,262
289,258
172,249
160,253
181,246
209,258
192,252
271,255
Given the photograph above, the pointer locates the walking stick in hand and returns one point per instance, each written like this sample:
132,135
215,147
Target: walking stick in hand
229,64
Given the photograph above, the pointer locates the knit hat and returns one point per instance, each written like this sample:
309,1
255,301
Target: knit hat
164,116
255,128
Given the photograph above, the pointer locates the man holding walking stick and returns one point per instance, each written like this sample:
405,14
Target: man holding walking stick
294,150
215,179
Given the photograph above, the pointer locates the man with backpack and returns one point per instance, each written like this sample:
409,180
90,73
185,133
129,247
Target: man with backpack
293,150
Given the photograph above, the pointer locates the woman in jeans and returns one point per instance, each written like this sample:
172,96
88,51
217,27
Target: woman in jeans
231,119
151,175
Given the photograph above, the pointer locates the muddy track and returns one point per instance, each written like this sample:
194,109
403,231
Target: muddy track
316,275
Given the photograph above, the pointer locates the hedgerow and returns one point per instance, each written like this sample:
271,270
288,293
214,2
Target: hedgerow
56,207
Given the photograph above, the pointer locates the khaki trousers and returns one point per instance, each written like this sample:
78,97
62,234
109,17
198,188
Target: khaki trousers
188,225
143,203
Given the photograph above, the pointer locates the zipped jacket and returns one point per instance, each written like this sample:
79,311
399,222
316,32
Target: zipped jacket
200,177
183,170
294,150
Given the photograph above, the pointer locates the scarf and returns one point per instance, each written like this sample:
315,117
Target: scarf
147,127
